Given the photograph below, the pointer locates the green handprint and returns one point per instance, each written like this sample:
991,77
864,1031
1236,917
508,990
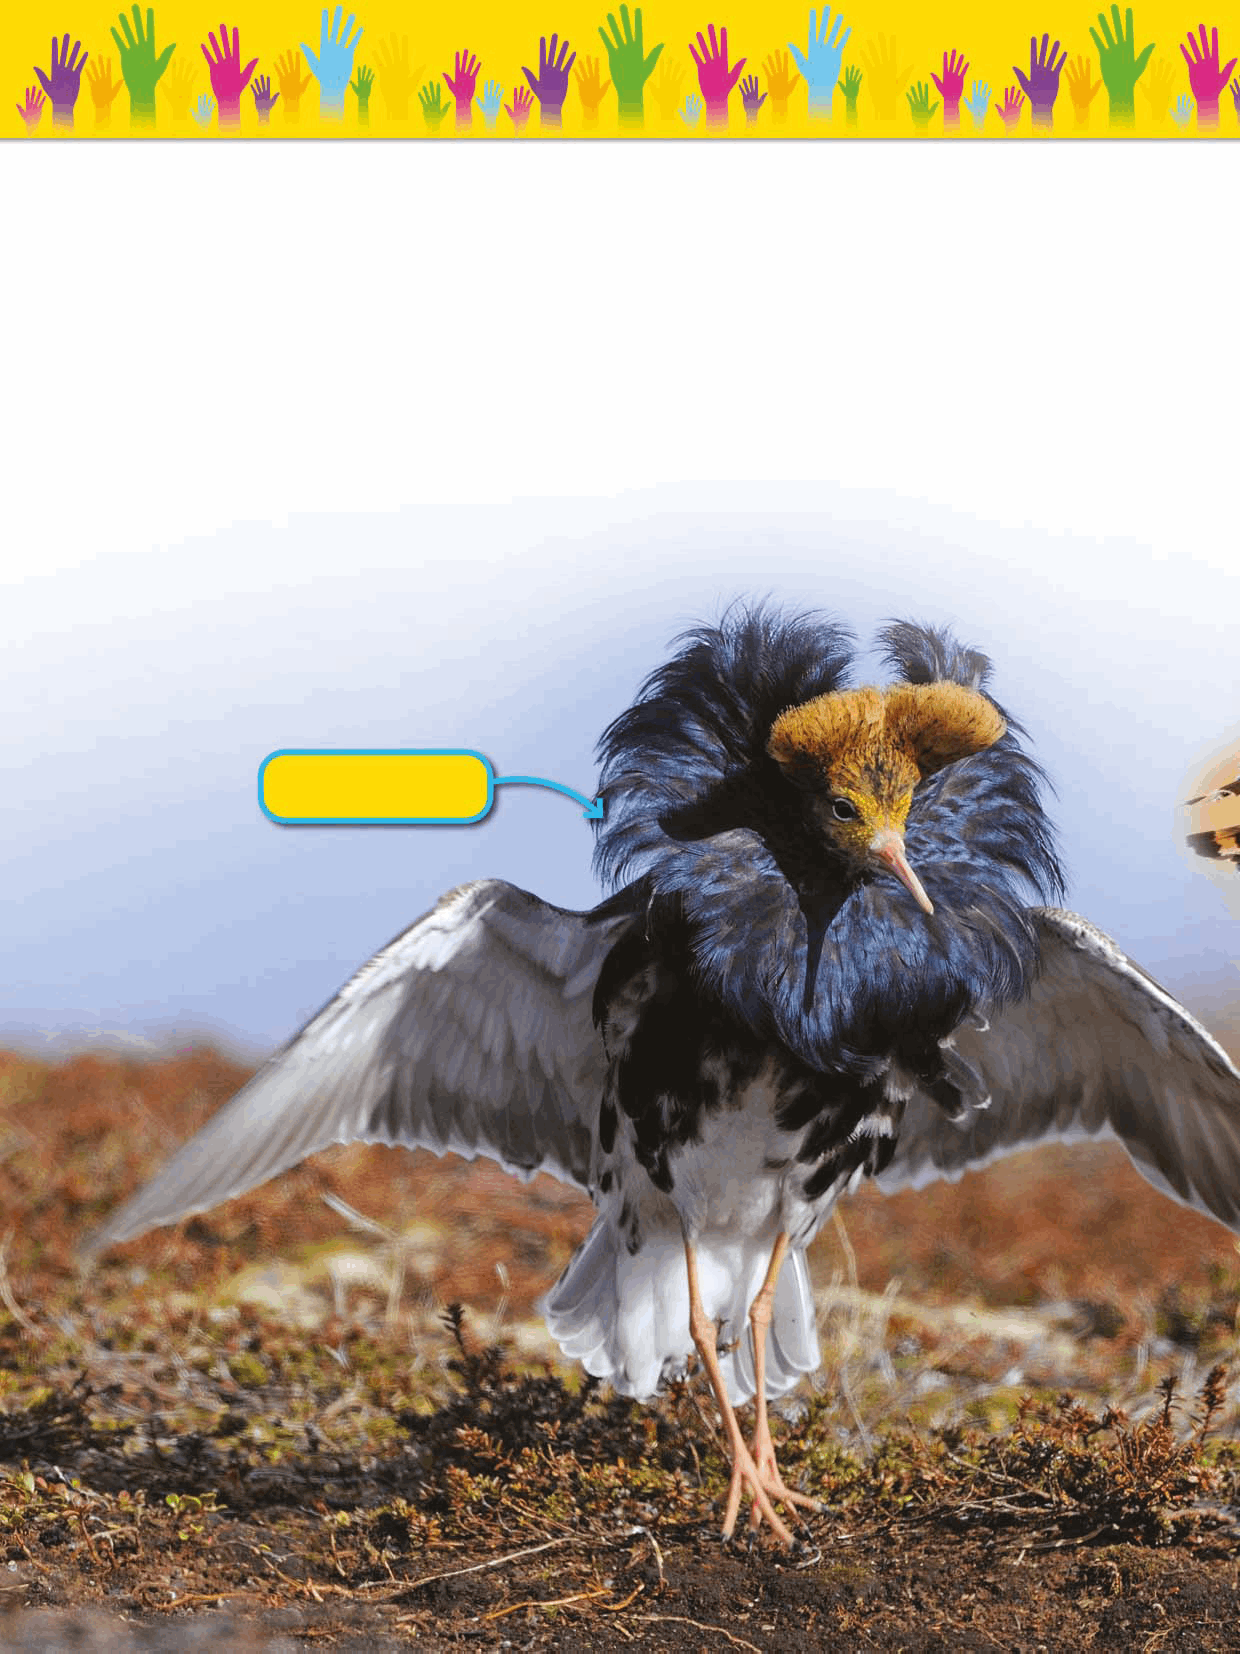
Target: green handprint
361,85
140,68
850,86
433,107
1121,67
921,108
630,67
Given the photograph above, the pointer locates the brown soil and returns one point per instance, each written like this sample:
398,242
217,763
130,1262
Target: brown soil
268,1428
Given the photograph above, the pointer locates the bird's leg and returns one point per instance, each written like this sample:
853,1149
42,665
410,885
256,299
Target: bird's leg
744,1472
763,1448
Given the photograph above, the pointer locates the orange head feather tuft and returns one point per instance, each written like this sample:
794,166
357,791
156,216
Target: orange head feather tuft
859,754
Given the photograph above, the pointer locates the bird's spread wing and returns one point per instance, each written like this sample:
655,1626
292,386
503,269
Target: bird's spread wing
1096,1049
471,1032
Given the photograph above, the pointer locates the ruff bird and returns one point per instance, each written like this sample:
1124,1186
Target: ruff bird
820,962
1213,808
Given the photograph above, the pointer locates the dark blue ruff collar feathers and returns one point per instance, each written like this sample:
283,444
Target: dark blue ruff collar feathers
712,845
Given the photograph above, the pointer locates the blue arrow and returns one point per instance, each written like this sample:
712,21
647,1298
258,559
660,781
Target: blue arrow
593,809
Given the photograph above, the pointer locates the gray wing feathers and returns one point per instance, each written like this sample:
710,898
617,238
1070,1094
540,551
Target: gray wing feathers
472,1032
1096,1049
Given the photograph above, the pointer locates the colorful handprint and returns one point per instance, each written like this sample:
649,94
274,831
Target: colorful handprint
518,111
490,103
177,87
850,86
103,90
666,89
292,85
820,62
1041,84
631,66
141,67
885,78
63,81
716,78
461,83
920,107
1156,85
228,79
397,79
781,83
332,66
979,103
1120,63
433,107
1205,77
1082,89
361,87
265,99
32,110
550,84
751,99
591,89
1009,110
950,86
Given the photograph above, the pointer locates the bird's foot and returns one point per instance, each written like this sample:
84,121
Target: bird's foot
759,1478
763,1454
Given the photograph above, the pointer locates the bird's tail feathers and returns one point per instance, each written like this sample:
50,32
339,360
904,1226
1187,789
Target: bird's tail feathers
625,1316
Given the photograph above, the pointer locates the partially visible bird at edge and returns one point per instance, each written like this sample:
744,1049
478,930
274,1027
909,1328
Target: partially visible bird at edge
1213,809
823,959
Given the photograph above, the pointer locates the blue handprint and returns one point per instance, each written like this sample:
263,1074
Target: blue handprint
820,62
979,103
203,111
333,67
1182,110
692,111
491,102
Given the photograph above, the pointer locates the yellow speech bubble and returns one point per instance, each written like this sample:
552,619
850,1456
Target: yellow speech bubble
316,788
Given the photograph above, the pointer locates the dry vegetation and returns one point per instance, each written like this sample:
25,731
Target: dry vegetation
272,1427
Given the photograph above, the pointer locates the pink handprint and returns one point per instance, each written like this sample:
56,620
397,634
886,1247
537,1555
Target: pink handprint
951,87
715,78
461,84
33,110
1009,110
1205,77
228,79
519,110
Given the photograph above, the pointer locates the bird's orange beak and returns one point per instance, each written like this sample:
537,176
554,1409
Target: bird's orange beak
887,849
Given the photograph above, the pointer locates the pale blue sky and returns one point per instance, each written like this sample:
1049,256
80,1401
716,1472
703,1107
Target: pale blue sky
342,473
145,893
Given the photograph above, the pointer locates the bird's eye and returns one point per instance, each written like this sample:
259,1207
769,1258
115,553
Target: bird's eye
843,809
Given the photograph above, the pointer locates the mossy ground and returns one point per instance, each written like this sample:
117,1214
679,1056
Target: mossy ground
269,1427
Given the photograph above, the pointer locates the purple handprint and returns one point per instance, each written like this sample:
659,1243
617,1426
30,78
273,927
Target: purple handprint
1041,84
1205,77
550,85
461,84
228,79
751,102
715,78
64,81
265,99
